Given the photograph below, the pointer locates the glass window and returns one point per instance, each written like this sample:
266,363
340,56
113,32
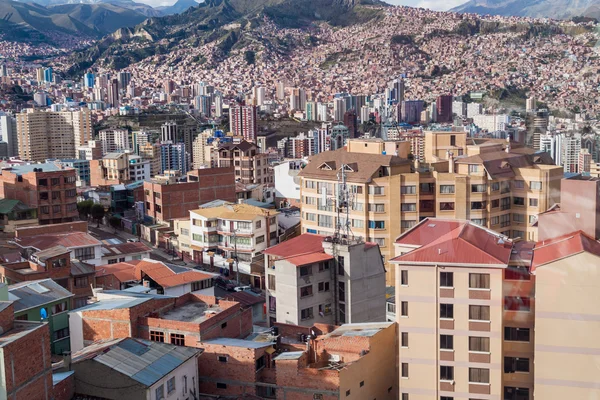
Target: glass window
404,308
479,344
446,373
495,186
535,185
514,393
85,253
473,168
307,313
160,392
533,202
376,224
157,336
478,205
479,375
518,184
405,370
519,218
479,313
377,207
404,277
446,206
171,385
408,207
60,307
446,342
376,190
447,279
447,189
515,303
306,270
478,188
407,224
516,364
177,339
446,310
516,334
427,188
306,291
404,339
408,189
519,201
479,281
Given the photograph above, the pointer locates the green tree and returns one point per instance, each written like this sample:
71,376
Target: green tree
97,213
250,56
84,208
114,222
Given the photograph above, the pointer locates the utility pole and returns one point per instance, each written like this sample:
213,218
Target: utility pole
237,265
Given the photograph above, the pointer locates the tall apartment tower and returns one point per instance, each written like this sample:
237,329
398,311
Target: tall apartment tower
465,313
351,122
243,121
114,140
43,135
168,132
113,93
339,109
444,108
8,132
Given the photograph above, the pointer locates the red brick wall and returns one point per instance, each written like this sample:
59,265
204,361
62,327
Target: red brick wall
292,373
76,226
65,390
29,360
108,282
7,318
216,183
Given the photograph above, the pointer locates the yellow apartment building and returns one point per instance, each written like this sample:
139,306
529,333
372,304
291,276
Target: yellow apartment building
465,313
489,183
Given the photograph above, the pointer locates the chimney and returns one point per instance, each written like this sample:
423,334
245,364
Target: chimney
67,360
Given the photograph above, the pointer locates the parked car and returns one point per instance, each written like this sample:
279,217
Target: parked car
132,240
242,288
224,284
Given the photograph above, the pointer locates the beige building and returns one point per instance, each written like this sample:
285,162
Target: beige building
498,188
47,134
249,164
465,313
202,151
151,152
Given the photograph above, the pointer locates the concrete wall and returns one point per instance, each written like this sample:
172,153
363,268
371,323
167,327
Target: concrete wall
187,372
95,379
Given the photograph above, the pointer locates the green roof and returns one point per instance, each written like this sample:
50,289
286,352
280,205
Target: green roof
7,205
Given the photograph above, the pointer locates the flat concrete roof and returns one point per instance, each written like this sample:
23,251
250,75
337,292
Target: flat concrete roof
191,312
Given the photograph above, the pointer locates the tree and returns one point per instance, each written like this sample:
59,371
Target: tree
114,222
250,56
97,213
84,208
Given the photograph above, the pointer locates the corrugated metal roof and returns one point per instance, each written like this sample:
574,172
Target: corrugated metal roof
289,355
113,304
247,344
145,361
33,294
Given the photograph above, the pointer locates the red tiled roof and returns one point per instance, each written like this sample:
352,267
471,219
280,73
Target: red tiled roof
548,251
310,258
466,243
124,248
303,244
124,271
68,240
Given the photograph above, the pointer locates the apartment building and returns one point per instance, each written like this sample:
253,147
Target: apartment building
151,152
48,187
243,121
46,134
491,184
250,165
465,311
230,228
118,168
91,151
166,201
316,279
114,140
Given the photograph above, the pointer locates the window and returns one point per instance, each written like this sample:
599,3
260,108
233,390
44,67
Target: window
260,239
257,224
221,385
404,277
427,188
391,308
405,370
61,334
376,190
362,383
81,282
446,373
407,224
517,273
86,253
171,385
197,237
177,339
447,279
307,313
446,189
157,336
306,291
306,270
505,203
408,189
323,286
271,282
43,182
479,344
495,186
224,325
515,364
342,291
72,207
160,392
56,209
479,281
535,185
533,202
513,393
495,203
357,206
495,221
532,219
358,223
478,188
61,262
519,201
479,375
447,342
517,184
377,208
325,221
347,392
185,384
260,363
479,313
310,216
478,205
44,196
505,220
514,303
408,207
376,224
518,234
479,221
446,310
60,307
185,232
323,266
310,184
54,181
473,168
404,339
446,398
519,218
55,195
404,396
404,308
325,309
69,193
244,225
446,206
